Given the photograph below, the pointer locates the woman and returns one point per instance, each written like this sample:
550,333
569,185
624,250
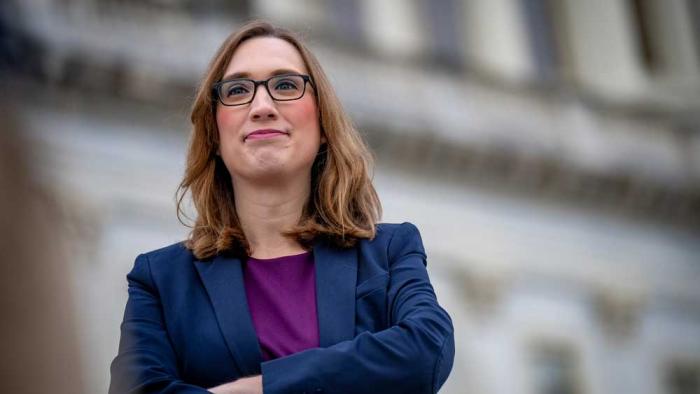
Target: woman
287,283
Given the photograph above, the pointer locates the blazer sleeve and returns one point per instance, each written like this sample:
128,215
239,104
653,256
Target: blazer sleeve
146,362
414,355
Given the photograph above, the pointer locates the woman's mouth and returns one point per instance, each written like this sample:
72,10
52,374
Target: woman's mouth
264,134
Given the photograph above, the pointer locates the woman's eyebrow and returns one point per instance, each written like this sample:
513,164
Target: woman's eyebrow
245,74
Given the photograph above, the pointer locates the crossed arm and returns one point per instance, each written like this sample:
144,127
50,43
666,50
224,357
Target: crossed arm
249,385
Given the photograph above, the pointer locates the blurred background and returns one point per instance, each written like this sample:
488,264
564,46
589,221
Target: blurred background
549,151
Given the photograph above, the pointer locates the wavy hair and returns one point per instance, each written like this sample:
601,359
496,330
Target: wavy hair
343,206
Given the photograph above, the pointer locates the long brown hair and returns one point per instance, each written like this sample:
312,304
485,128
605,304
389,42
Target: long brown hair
343,206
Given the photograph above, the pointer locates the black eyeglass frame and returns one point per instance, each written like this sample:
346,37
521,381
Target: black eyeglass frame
216,88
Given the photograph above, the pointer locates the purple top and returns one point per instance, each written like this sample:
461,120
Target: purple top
281,295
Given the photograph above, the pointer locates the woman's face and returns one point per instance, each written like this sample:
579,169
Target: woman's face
268,140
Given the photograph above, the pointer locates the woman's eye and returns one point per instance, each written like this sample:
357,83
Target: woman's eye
286,85
236,90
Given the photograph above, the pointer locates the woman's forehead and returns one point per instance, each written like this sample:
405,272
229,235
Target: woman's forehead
263,56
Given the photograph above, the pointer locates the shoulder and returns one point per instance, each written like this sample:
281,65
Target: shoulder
397,229
171,258
396,234
396,240
175,251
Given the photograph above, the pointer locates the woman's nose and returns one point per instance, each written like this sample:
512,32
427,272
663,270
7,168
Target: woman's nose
262,106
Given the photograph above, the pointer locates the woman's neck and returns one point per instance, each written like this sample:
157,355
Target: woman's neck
266,212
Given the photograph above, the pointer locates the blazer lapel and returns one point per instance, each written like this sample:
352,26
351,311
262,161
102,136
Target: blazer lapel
223,279
336,277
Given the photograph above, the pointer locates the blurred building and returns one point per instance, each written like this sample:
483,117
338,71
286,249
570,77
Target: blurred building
548,150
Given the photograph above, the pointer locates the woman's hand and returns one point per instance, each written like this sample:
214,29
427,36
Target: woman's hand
249,385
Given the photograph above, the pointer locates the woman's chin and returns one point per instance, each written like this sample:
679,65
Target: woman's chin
269,173
272,165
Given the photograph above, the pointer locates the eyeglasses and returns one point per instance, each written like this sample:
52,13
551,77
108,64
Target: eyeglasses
240,91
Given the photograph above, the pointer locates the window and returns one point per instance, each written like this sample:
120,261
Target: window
554,370
542,33
642,14
444,19
346,18
694,12
683,378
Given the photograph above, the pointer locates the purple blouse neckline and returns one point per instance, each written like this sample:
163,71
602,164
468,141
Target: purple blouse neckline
291,257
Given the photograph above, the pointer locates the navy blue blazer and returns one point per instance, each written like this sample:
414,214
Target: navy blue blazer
187,326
